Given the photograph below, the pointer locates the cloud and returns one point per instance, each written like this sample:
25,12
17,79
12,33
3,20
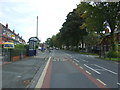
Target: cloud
21,16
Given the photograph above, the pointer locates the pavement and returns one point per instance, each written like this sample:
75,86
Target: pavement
20,74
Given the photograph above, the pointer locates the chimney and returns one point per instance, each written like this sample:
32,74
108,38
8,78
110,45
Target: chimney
7,25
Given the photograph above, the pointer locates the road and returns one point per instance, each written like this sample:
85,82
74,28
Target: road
63,69
73,70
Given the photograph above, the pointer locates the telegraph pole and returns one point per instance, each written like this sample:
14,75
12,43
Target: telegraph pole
37,28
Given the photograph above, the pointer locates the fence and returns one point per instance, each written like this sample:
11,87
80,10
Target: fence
13,54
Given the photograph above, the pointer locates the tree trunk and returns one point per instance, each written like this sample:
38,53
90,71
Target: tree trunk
112,34
113,39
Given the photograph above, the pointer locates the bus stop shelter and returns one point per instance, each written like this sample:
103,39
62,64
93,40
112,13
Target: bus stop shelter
33,44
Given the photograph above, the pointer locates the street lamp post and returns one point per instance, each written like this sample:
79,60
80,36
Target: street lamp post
37,28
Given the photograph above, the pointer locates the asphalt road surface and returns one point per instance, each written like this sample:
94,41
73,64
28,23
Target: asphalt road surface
66,70
73,70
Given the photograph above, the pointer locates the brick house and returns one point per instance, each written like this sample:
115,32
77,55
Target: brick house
7,35
106,42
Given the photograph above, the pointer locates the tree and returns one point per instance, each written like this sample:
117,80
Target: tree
71,32
97,13
91,40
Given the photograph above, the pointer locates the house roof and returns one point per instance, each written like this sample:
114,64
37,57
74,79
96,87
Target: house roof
34,39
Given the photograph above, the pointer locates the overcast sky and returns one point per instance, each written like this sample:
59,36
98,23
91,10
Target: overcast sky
21,16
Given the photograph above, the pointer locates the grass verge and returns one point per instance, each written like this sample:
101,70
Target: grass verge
88,53
113,59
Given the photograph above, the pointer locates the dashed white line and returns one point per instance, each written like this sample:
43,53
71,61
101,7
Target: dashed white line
84,60
101,82
88,72
76,60
92,69
81,67
105,69
76,64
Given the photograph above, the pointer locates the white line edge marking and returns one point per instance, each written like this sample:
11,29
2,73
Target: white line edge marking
118,83
105,69
92,69
81,67
88,72
76,64
101,82
76,60
41,79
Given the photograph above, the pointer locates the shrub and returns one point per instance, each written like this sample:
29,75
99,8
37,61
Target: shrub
19,46
18,52
113,54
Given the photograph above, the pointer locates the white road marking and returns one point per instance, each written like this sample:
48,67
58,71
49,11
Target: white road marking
68,54
76,60
92,69
105,69
101,82
118,83
41,79
76,63
88,72
81,67
100,69
84,60
19,76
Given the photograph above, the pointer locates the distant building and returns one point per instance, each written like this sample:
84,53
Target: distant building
7,35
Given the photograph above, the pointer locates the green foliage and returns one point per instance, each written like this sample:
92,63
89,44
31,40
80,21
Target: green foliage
71,32
54,41
15,51
85,23
99,15
20,46
116,46
92,39
18,52
113,54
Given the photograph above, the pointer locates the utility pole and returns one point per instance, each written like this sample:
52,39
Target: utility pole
37,28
